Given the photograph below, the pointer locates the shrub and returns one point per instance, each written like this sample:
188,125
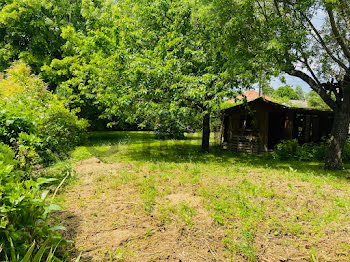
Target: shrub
35,127
27,147
12,124
24,209
291,150
169,126
6,155
173,123
312,151
33,121
60,129
288,150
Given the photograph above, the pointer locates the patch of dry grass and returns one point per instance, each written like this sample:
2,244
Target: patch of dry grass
138,199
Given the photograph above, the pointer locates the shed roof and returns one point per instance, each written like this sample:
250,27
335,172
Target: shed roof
278,105
251,95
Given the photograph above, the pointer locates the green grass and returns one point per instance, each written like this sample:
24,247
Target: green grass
260,206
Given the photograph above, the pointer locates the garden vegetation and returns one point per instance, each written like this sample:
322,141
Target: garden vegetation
36,128
69,66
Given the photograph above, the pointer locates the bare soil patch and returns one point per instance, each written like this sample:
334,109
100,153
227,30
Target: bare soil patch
108,222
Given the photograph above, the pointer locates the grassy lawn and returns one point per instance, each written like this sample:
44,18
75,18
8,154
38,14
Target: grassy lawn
140,199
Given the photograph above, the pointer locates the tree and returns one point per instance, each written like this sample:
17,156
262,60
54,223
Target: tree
285,92
186,66
136,69
315,101
300,93
31,30
282,35
100,66
267,90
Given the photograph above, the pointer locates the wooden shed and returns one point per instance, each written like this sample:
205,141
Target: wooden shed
258,125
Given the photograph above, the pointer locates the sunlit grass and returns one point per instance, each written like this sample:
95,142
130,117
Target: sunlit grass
252,199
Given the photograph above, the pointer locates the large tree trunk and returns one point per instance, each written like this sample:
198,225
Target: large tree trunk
206,133
340,129
339,135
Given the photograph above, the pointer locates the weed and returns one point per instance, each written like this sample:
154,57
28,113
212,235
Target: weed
246,245
186,212
149,193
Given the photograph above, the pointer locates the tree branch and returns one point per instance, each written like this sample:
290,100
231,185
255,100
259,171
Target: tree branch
277,8
314,86
262,11
321,41
344,13
336,33
310,69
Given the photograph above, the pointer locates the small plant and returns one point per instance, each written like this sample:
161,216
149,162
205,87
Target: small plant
287,150
313,254
148,232
246,245
24,208
149,193
28,145
39,256
186,212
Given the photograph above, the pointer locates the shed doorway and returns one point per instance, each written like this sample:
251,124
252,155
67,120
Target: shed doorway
275,131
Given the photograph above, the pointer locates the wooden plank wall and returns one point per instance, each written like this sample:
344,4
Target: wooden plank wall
243,144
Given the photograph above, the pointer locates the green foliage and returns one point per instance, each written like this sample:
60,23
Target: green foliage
133,70
35,122
31,256
11,125
24,208
300,92
286,92
288,149
173,125
31,30
7,156
35,128
247,245
186,212
27,147
292,150
315,101
267,90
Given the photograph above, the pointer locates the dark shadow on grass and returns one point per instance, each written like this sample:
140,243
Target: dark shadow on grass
143,147
128,137
72,223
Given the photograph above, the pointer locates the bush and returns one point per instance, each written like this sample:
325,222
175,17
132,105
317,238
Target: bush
27,147
12,124
173,123
24,209
33,121
169,126
346,152
35,127
292,150
60,129
287,150
6,155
